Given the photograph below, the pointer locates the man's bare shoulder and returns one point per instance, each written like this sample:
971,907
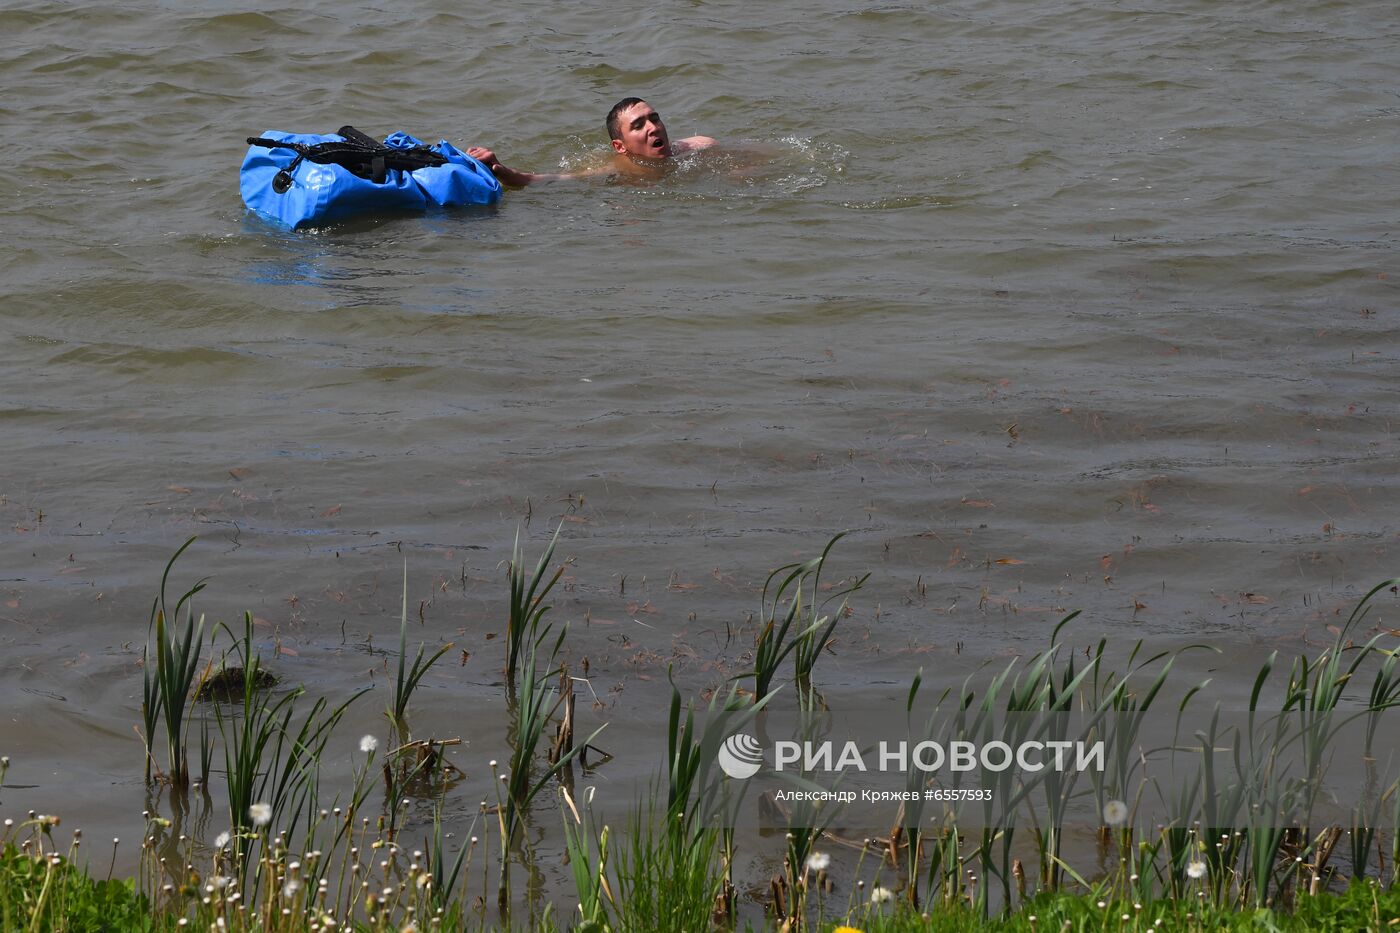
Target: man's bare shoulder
692,143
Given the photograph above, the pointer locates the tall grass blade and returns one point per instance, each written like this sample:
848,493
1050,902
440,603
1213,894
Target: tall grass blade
527,606
406,680
167,683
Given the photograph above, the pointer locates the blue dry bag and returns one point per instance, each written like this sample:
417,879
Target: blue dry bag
307,179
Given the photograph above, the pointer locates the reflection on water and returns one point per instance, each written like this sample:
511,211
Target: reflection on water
359,262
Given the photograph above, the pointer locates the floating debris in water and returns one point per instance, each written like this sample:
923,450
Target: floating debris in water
228,684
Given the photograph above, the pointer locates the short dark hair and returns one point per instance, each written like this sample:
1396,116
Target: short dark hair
614,121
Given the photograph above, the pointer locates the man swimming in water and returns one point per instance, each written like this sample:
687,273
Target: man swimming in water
641,147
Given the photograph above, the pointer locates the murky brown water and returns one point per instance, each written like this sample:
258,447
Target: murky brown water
1054,306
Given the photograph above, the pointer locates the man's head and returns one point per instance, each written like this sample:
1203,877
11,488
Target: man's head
636,130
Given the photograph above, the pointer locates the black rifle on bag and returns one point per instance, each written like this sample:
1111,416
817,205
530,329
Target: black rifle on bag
360,154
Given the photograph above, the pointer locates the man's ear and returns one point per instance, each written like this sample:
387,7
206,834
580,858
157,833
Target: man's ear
618,147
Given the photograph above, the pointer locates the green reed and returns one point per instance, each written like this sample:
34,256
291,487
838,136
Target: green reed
170,663
799,629
527,607
270,763
536,703
586,852
1394,880
908,833
1060,686
406,679
694,790
444,872
666,879
695,795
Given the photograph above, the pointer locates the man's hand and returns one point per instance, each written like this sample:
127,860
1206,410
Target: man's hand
482,154
509,176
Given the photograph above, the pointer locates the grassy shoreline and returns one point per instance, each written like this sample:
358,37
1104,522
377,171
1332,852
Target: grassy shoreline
1244,846
42,893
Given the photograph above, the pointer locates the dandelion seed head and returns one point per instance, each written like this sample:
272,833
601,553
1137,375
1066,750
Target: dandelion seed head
1196,870
1115,813
818,861
368,744
260,814
222,839
879,895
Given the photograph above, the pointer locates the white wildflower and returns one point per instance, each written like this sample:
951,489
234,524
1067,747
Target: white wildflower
879,895
1196,870
260,813
368,744
1115,813
818,861
222,839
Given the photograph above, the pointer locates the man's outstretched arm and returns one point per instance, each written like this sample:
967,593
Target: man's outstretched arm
513,177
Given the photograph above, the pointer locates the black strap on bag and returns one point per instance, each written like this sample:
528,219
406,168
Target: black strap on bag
360,154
